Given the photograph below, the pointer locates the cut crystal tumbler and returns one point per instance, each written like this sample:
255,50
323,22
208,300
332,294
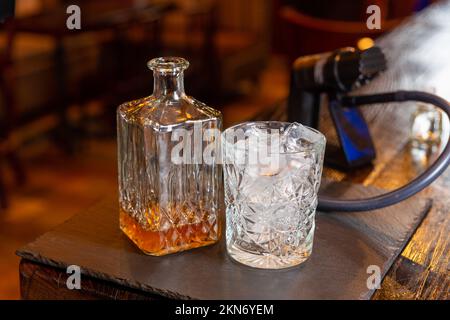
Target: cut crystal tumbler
272,174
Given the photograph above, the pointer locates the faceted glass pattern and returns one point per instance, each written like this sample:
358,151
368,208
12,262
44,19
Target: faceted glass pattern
270,210
166,207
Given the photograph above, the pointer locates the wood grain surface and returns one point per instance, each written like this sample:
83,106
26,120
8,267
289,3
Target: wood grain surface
418,59
345,245
43,282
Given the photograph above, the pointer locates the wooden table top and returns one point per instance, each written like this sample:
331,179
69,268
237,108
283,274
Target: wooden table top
345,246
418,54
418,58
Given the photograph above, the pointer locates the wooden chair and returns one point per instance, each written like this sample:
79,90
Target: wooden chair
303,34
8,152
189,31
222,56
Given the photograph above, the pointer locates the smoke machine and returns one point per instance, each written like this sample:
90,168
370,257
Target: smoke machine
331,76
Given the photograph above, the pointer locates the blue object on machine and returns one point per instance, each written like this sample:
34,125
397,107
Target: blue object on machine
353,134
332,75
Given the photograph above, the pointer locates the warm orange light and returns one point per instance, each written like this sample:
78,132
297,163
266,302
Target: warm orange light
365,43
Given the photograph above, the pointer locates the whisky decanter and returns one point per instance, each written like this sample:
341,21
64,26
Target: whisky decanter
169,195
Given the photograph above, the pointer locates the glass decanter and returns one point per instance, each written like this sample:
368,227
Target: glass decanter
427,126
169,195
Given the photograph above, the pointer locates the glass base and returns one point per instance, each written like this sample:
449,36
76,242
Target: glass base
158,243
268,261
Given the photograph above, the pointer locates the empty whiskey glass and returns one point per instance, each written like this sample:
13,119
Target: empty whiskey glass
272,174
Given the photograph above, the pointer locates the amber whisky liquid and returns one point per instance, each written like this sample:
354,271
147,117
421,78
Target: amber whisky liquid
174,239
154,174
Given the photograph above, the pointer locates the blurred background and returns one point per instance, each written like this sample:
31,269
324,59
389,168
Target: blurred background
59,88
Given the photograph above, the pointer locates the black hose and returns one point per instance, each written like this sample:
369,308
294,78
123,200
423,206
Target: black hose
416,185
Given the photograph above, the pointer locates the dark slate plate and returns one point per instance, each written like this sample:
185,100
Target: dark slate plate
345,245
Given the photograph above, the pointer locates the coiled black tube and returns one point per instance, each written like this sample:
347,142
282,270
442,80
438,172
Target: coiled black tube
410,189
